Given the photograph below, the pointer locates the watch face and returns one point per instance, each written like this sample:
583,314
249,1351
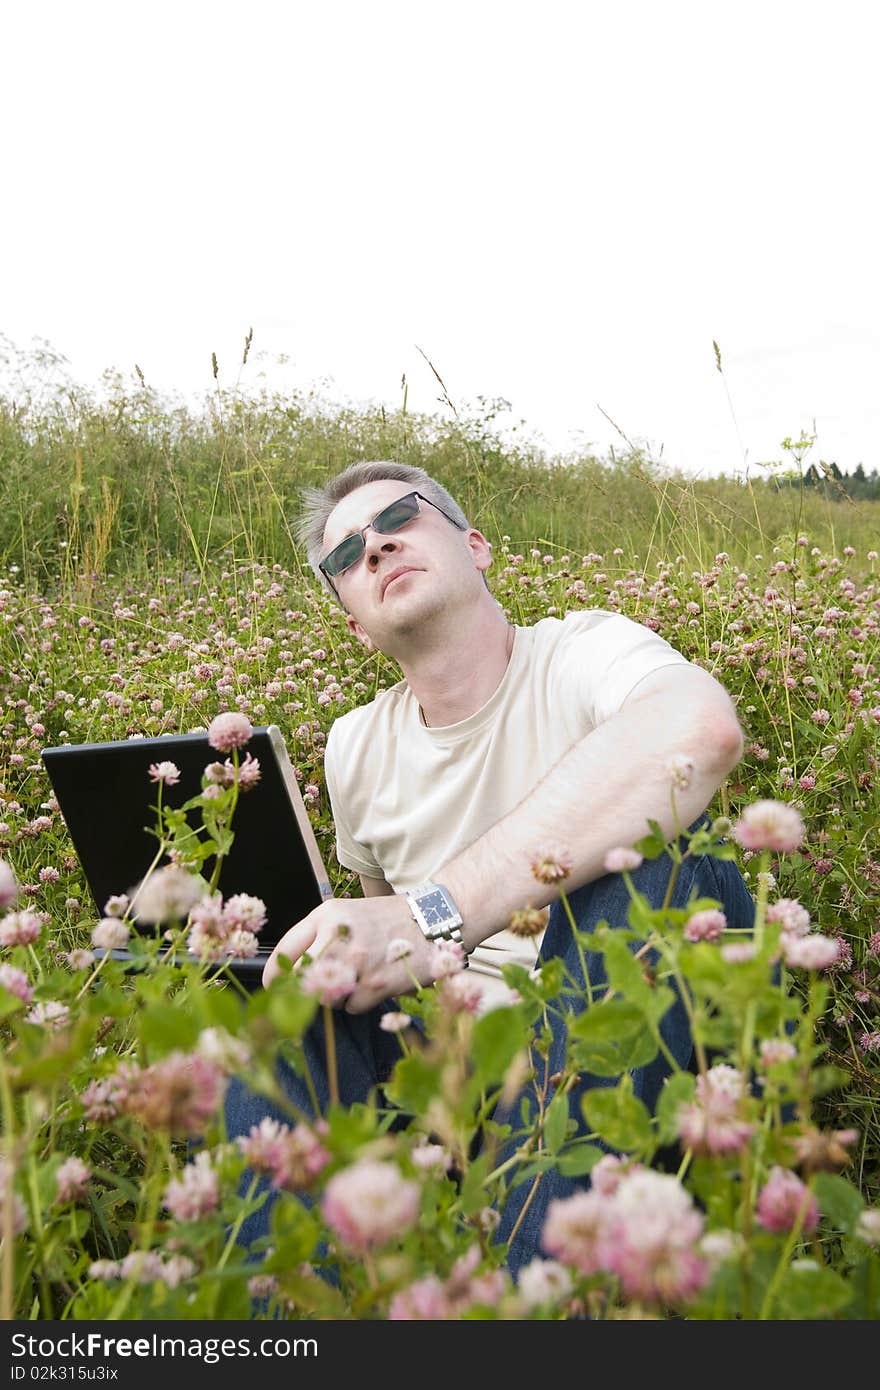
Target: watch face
434,909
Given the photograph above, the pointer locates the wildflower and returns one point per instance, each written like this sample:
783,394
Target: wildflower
776,1050
792,916
117,905
330,979
528,921
196,1192
52,1014
166,772
298,1157
868,1226
20,928
461,994
719,1246
772,825
711,1124
607,1175
262,1285
249,772
167,895
813,952
705,926
110,933
392,1022
142,1266
551,864
621,860
681,770
738,952
541,1282
8,885
176,1269
79,958
180,1094
105,1270
446,958
71,1179
16,982
868,1042
827,1152
106,1098
229,731
244,910
430,1157
785,1200
370,1204
49,874
650,1236
398,949
228,1053
423,1301
572,1230
220,774
503,997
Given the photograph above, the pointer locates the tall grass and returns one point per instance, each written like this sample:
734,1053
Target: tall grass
123,482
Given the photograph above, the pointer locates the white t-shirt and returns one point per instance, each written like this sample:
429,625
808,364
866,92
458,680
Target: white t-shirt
407,798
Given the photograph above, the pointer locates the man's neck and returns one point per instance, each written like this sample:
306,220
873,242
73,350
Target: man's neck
453,679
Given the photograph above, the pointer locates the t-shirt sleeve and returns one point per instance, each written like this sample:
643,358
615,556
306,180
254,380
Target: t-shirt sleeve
350,854
601,660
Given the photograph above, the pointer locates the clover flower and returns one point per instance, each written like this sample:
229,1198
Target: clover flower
196,1193
773,825
165,772
621,860
331,980
20,928
551,864
16,982
783,1200
707,925
369,1204
229,731
71,1179
110,934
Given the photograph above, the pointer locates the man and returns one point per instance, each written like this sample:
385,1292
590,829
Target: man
498,742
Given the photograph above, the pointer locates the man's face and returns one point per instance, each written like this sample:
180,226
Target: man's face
405,578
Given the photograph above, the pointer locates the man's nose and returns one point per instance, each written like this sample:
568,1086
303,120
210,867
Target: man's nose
375,545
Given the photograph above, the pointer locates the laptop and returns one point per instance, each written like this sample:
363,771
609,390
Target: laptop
108,800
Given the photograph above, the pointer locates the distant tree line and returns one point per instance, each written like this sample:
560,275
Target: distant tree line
827,480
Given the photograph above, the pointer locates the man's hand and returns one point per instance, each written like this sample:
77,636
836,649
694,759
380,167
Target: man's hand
358,932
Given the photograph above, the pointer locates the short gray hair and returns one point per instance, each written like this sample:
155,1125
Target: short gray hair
319,502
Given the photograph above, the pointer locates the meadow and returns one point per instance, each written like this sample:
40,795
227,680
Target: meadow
149,581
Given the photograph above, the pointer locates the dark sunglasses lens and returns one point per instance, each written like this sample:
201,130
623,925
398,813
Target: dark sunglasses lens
397,515
343,556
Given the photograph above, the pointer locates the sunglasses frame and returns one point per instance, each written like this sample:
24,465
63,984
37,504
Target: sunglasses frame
330,575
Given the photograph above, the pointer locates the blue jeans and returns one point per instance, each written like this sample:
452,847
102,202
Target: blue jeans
366,1055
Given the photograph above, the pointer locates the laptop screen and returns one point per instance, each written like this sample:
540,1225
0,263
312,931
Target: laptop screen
108,801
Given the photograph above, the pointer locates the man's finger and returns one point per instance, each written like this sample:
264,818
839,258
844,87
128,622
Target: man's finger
293,944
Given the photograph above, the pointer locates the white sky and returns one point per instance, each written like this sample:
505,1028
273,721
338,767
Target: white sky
562,204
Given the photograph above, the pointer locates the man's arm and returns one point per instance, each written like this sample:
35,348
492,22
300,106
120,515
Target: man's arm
601,794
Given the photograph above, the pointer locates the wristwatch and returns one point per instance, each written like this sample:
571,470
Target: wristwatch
436,914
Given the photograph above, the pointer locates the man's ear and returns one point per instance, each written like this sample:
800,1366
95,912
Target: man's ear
357,631
480,549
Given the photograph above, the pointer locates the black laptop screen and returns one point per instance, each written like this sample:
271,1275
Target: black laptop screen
108,803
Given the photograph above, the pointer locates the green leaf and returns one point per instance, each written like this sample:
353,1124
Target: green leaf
677,1090
474,1195
619,1118
556,1122
581,1158
625,974
165,1027
839,1202
810,1291
496,1041
414,1083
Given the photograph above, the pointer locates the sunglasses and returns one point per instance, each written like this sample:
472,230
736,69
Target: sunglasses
391,518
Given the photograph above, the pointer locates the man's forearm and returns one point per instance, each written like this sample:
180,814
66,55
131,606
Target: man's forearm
600,794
